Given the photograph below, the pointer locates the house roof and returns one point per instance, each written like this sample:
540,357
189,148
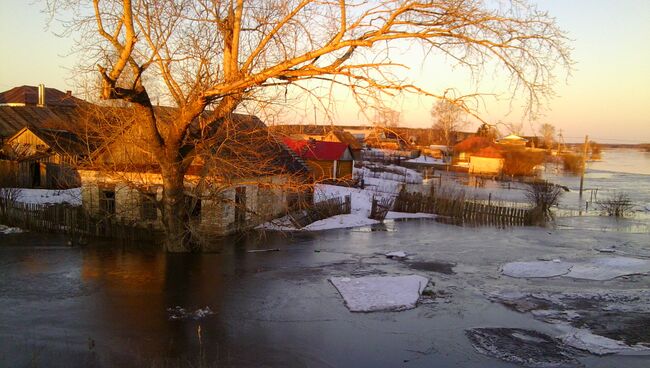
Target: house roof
14,118
513,138
239,146
488,152
472,144
60,141
347,138
28,96
317,150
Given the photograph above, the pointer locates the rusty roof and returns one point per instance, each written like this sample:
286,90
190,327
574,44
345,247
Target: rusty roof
28,95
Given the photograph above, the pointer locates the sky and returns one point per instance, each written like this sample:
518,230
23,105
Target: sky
606,96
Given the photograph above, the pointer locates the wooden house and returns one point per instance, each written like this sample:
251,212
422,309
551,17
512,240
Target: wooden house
242,178
464,149
44,158
343,136
326,160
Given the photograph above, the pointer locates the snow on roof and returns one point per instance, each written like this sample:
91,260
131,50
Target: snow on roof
317,150
513,137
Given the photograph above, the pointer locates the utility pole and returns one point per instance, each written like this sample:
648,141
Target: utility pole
584,162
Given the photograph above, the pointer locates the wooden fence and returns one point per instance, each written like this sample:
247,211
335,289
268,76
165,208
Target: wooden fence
462,210
321,210
380,208
71,220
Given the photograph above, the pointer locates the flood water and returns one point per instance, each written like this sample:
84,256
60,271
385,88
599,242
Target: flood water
106,305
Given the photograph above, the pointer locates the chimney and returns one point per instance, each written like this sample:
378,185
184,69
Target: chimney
41,95
68,93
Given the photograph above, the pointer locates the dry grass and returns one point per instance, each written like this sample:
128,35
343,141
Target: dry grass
572,163
618,204
522,163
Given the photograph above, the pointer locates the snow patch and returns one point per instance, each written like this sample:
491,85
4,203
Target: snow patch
340,222
50,196
380,293
4,229
423,159
405,215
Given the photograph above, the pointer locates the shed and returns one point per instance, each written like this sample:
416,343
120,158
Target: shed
326,160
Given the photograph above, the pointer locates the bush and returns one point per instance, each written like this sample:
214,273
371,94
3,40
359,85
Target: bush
572,163
543,195
618,205
522,163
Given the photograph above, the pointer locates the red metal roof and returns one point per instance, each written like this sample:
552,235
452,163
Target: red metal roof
316,150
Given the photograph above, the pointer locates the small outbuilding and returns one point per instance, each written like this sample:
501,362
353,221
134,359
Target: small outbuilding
486,161
325,160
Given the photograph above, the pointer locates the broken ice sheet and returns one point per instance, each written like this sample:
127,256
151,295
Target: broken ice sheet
536,269
380,293
598,269
398,254
524,347
602,269
585,340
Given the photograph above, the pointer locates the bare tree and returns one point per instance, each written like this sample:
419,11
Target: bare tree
547,132
218,55
449,118
386,117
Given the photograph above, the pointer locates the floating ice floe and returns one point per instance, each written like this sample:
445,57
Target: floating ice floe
4,229
536,269
585,340
609,268
598,269
380,293
179,313
398,254
523,347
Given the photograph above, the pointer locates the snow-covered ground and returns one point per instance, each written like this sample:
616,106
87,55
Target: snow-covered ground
378,185
46,196
423,159
4,229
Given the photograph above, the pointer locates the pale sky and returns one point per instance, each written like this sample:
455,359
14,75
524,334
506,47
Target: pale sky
607,96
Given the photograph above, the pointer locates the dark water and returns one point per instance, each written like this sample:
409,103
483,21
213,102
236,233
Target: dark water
106,306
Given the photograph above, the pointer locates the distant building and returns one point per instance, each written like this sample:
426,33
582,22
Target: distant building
40,96
513,140
486,161
326,160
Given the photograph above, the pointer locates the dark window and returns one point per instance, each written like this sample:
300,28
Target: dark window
240,205
107,201
148,208
193,206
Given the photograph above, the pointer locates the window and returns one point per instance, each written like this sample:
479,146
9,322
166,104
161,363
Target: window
240,205
148,208
193,206
107,201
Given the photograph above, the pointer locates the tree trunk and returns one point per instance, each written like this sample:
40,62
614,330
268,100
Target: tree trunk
174,212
